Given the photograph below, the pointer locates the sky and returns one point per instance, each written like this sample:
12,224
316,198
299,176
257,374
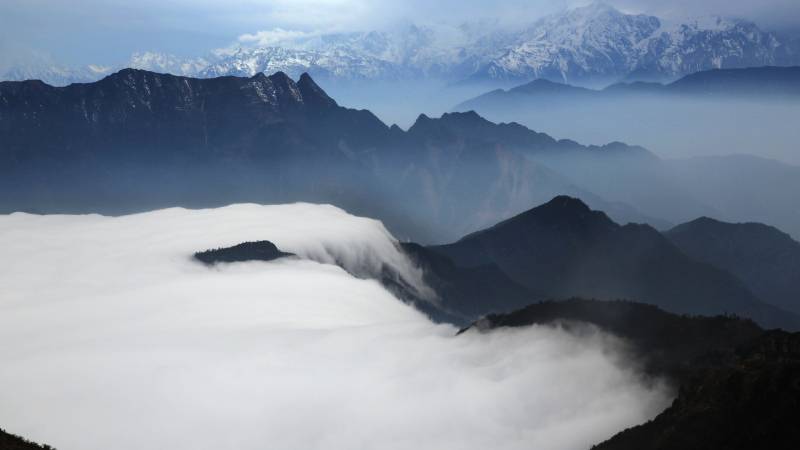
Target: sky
117,330
80,32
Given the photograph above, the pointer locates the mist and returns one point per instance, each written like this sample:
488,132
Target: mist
118,339
400,102
670,127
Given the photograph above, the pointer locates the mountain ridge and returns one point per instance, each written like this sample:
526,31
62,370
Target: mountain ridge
563,249
594,44
113,145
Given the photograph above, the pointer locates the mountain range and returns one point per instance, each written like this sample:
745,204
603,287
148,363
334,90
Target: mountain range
590,45
563,249
756,82
116,146
139,140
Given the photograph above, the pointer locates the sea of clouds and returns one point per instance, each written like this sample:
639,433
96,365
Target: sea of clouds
111,336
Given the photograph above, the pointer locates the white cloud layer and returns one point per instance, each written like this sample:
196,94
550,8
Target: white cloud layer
112,337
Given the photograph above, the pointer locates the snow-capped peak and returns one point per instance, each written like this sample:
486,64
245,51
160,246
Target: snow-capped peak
590,45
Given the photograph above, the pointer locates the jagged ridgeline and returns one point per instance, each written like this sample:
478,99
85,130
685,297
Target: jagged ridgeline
138,140
564,249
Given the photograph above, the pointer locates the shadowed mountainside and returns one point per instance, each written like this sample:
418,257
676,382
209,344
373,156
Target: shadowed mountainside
564,249
738,384
748,403
667,344
765,258
118,146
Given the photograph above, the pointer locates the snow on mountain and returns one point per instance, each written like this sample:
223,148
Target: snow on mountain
55,74
407,52
590,45
709,43
593,41
166,63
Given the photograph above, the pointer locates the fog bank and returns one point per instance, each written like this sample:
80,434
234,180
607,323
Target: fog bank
113,337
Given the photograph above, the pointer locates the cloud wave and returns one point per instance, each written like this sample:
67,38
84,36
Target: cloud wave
112,337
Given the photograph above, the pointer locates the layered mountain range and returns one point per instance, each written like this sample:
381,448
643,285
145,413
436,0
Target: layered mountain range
138,140
595,44
762,83
563,249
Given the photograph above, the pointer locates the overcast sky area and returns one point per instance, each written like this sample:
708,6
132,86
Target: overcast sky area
108,31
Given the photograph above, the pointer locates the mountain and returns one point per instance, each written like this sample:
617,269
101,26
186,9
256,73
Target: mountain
11,442
167,63
593,45
765,258
754,82
120,141
668,345
598,43
564,249
737,385
116,145
747,403
464,293
246,251
739,112
55,74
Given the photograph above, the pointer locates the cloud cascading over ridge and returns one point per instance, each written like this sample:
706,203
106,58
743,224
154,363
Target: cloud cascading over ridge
113,337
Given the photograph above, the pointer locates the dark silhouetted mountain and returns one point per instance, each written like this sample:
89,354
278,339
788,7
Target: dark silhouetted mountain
11,442
143,115
669,345
465,293
738,385
138,140
564,249
247,251
750,402
765,258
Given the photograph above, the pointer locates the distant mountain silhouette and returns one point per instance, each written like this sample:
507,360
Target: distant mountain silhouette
564,249
751,81
733,113
764,82
765,258
737,384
